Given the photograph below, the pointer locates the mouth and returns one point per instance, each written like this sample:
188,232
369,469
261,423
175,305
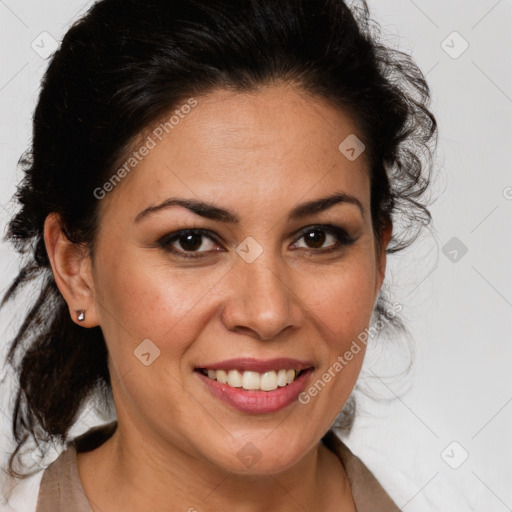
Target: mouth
256,387
252,380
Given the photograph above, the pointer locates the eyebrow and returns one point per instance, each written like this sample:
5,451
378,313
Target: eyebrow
210,211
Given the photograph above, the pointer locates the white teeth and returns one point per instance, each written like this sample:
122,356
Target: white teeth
235,378
222,376
268,381
251,380
281,378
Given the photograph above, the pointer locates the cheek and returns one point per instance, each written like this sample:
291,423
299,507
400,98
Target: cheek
342,300
342,304
150,302
154,301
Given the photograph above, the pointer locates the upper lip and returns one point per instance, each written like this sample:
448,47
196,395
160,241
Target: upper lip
258,365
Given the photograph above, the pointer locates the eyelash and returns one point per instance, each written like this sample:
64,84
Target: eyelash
342,237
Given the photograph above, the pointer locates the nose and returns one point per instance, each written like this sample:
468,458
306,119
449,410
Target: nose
260,301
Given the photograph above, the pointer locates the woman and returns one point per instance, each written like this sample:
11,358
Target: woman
209,202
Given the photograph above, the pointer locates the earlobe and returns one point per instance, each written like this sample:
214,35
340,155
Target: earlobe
71,267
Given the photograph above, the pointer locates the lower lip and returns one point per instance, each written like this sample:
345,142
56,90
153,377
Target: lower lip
258,402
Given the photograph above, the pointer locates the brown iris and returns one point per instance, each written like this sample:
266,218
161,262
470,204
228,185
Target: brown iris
315,238
190,242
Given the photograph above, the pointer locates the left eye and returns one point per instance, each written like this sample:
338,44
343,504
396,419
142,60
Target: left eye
316,237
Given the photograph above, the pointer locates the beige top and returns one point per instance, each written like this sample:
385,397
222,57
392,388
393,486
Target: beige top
61,489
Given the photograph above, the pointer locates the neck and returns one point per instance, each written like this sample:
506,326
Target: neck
123,475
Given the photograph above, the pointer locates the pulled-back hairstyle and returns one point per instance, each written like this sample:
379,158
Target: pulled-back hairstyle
125,65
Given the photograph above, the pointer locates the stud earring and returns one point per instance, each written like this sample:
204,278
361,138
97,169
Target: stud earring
80,315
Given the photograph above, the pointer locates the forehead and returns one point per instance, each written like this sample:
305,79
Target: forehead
264,148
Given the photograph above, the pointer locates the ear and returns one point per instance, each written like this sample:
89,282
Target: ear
381,255
72,271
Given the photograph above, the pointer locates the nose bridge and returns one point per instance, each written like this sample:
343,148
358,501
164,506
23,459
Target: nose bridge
261,300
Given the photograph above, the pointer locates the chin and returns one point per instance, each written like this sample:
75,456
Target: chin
262,456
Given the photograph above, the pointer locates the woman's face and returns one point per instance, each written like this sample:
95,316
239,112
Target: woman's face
267,279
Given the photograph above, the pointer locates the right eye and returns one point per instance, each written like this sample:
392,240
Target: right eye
187,242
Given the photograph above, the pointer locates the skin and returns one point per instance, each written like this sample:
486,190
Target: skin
258,155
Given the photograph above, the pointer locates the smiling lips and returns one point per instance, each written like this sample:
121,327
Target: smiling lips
255,374
250,380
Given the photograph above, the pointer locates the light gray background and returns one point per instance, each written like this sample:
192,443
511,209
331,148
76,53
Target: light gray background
459,312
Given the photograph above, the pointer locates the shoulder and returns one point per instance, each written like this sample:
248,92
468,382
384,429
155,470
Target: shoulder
60,489
60,486
368,493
